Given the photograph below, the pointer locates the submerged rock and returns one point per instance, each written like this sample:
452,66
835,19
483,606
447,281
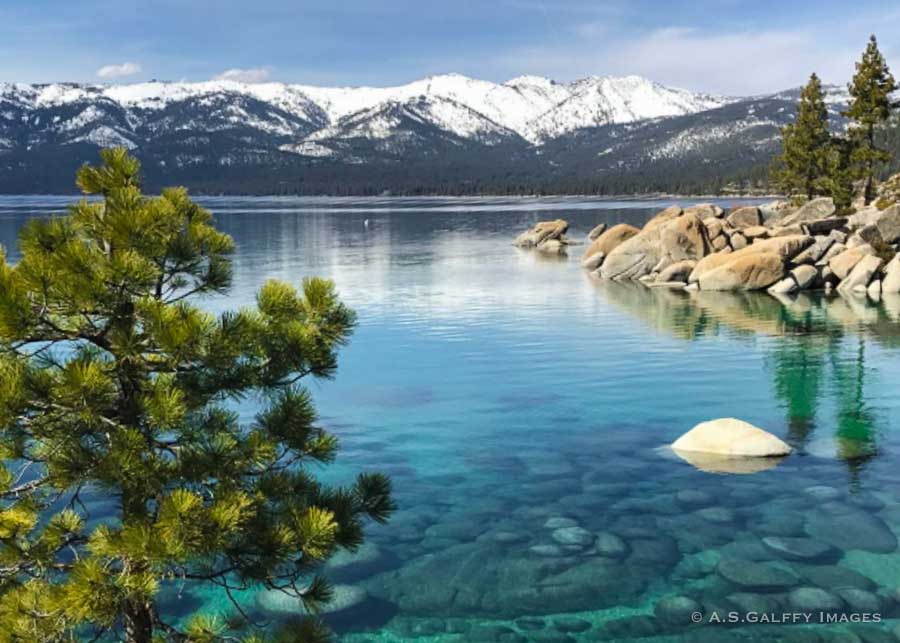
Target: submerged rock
822,492
835,577
630,627
343,598
694,498
676,610
859,600
571,624
814,599
760,576
530,623
798,548
847,527
509,537
610,545
749,602
731,437
719,515
573,536
559,522
548,551
474,580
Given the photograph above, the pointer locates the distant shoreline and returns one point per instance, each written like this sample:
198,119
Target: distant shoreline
651,196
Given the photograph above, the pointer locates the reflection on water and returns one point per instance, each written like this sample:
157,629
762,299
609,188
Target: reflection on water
822,352
715,463
521,408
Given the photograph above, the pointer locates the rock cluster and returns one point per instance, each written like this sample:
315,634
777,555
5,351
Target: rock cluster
545,236
775,247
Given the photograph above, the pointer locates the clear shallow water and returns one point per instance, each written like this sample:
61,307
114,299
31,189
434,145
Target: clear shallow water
504,391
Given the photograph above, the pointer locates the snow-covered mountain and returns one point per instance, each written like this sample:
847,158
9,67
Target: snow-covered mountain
531,107
431,133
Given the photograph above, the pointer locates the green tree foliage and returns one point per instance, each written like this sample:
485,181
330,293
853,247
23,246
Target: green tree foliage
805,146
838,178
113,382
870,107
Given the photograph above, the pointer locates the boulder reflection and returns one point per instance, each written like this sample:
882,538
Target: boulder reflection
817,362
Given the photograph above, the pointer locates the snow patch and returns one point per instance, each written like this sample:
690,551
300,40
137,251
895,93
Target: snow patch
104,136
308,148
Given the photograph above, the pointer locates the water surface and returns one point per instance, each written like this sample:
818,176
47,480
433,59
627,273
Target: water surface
519,403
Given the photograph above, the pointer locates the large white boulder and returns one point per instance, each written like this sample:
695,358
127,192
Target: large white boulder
862,274
609,239
891,283
746,272
637,256
732,438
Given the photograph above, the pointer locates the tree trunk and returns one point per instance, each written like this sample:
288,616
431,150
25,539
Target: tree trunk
138,623
870,167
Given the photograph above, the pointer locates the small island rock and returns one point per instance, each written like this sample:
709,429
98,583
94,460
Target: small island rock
733,438
542,232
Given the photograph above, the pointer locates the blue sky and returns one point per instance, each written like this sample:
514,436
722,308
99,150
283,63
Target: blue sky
724,46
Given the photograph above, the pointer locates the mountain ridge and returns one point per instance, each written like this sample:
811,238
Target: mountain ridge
520,104
446,133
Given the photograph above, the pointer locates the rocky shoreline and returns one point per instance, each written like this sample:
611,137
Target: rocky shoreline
775,247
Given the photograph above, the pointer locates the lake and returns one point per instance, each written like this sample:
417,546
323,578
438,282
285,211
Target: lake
522,409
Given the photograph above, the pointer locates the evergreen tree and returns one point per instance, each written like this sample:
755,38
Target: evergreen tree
870,107
805,142
113,383
838,180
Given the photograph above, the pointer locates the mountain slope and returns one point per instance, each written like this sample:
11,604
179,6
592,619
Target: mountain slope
444,133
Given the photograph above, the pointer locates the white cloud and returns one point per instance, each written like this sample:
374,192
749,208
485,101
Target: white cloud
255,75
737,62
117,71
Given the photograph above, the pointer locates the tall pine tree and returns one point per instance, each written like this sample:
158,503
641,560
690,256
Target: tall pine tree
804,159
870,107
114,384
838,180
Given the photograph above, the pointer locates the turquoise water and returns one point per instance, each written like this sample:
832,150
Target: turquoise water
522,409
